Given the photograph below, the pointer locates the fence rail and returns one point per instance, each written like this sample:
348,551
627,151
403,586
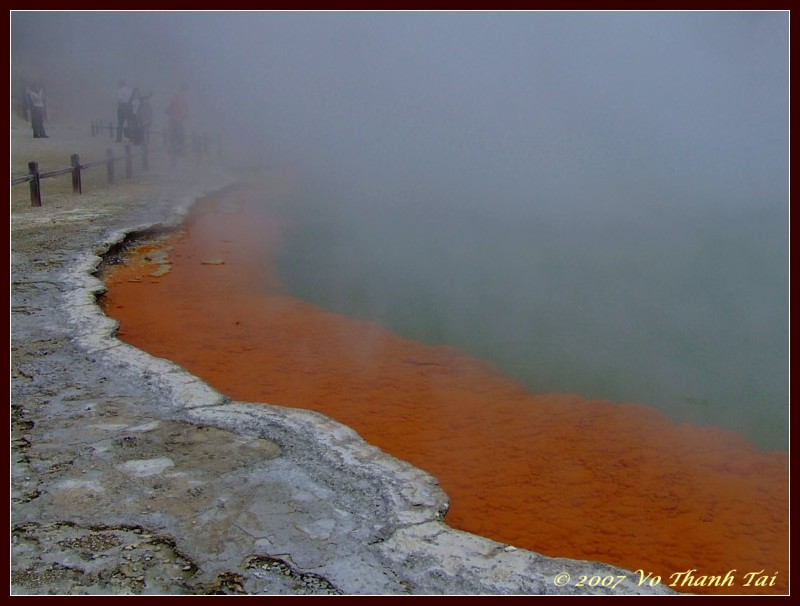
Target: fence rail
22,179
199,145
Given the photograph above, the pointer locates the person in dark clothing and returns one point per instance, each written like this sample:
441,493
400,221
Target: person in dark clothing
124,112
145,117
141,116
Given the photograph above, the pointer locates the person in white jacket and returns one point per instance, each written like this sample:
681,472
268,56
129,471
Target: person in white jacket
37,107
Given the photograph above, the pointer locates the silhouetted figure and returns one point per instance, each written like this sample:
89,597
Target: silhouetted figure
177,112
144,118
124,112
38,110
135,128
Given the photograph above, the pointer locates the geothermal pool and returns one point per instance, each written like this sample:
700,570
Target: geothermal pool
269,308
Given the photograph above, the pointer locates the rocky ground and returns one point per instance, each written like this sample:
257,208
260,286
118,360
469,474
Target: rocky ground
131,476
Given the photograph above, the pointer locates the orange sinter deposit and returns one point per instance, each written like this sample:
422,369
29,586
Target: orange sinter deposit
556,474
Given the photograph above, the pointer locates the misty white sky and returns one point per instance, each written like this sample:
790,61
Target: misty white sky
512,105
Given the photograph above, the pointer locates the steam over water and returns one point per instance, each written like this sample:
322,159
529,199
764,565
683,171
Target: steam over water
595,201
598,203
527,470
681,307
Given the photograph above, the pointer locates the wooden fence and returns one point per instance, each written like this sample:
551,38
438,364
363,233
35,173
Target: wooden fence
199,145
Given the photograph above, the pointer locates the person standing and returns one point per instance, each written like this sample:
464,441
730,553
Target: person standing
134,130
124,112
145,117
37,106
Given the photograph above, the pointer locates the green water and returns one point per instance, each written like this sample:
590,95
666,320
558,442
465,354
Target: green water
684,309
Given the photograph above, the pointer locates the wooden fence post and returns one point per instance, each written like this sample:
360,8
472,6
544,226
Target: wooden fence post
110,165
36,192
128,162
219,145
76,174
94,128
110,130
145,163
